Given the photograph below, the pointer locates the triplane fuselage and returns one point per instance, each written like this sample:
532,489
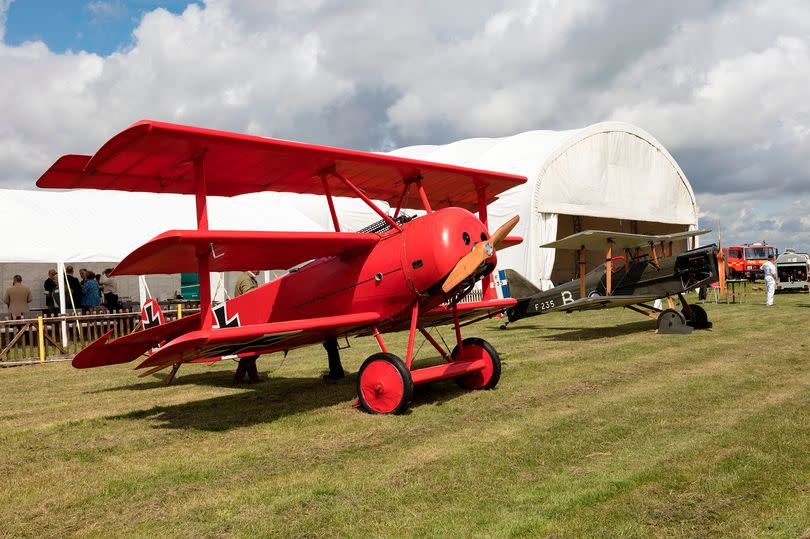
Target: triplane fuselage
408,273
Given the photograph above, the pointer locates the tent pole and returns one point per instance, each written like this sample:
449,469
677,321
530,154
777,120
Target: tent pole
141,291
60,272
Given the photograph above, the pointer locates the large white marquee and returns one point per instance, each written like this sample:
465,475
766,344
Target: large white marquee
608,175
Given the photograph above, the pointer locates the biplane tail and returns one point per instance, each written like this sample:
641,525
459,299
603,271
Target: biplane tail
519,286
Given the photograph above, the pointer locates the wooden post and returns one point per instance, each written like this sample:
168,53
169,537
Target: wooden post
608,266
179,311
41,339
582,272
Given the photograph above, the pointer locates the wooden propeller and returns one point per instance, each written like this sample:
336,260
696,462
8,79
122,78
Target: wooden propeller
482,251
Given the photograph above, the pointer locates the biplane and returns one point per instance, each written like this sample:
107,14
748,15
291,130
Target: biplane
632,280
403,273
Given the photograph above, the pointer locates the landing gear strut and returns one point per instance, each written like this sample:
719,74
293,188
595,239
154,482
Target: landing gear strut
385,383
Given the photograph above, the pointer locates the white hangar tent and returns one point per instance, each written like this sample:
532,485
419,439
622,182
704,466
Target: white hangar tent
608,176
96,229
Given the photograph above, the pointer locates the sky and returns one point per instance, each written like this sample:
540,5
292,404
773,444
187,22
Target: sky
723,84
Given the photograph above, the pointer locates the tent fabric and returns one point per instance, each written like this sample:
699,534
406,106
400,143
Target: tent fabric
95,226
611,170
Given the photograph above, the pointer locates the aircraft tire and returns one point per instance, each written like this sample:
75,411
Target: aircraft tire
701,320
384,384
475,348
670,319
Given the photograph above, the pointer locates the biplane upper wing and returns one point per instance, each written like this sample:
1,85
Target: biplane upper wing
597,239
601,302
158,157
257,339
176,251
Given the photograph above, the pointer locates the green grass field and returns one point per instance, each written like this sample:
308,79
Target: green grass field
599,427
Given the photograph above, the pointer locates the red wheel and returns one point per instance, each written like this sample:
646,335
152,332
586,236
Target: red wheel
384,384
487,378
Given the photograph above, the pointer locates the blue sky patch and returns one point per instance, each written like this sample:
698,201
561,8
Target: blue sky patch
100,26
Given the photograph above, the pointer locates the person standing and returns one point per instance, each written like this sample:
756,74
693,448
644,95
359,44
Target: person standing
769,271
17,297
50,286
110,290
247,365
91,295
333,354
74,297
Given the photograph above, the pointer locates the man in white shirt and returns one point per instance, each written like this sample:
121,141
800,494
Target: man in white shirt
769,271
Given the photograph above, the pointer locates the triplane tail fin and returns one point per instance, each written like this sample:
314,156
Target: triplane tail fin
151,315
519,286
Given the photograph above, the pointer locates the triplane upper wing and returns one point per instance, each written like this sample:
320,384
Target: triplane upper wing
158,157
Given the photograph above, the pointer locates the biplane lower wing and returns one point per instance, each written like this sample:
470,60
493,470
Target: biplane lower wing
124,349
601,302
176,251
468,311
255,339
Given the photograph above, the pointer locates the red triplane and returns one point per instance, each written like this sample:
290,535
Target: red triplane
407,273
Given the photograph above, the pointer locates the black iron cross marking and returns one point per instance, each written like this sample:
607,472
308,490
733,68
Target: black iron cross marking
221,315
152,319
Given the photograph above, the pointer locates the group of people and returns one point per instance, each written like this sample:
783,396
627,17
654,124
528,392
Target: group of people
86,292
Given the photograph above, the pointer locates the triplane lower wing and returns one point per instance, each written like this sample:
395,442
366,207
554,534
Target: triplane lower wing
410,273
632,280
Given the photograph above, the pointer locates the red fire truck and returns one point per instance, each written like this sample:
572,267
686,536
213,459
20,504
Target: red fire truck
746,260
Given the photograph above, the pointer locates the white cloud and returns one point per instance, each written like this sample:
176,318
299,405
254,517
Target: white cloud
106,9
721,84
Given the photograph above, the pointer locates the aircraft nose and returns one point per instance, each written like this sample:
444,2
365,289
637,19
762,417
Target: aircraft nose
479,254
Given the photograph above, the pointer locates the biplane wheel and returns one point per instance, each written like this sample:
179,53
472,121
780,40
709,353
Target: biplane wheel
701,319
488,377
670,319
384,384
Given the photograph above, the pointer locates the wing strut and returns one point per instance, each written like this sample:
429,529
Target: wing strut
203,274
484,218
332,171
609,267
581,254
325,181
